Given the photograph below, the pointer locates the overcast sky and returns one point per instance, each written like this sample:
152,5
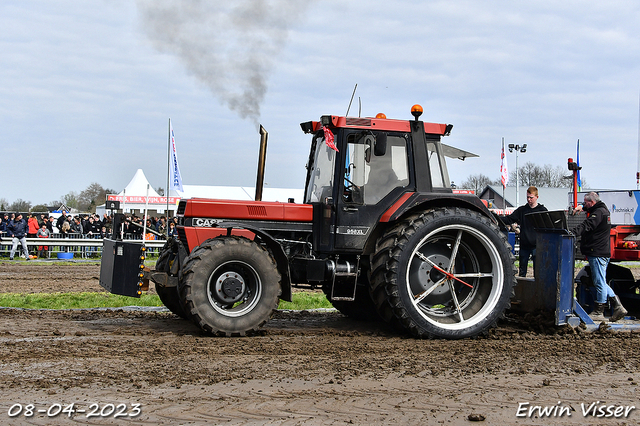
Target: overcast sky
87,88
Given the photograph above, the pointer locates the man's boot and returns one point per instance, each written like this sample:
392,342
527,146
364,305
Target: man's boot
617,310
598,312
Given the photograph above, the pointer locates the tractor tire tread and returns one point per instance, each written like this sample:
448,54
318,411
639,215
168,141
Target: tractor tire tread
385,264
190,268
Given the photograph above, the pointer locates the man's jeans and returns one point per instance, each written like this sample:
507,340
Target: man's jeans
17,241
598,276
523,258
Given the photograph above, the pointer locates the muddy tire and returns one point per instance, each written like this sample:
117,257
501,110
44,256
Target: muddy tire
169,296
230,286
445,273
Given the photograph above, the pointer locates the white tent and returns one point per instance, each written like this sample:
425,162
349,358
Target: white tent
139,194
139,186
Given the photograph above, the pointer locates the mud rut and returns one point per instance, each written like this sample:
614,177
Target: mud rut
303,368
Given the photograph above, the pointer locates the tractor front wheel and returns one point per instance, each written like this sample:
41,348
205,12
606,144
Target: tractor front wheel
230,286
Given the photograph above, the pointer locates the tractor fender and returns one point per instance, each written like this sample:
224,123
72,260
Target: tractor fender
411,202
276,250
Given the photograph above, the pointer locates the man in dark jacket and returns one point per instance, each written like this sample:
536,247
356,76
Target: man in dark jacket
596,245
61,219
18,228
527,232
76,226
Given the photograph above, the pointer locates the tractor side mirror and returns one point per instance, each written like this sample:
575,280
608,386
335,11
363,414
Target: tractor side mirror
380,144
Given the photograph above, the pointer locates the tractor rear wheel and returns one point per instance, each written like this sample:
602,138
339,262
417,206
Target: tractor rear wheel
230,286
169,296
446,273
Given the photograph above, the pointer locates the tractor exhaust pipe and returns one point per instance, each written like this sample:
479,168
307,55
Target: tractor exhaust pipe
262,158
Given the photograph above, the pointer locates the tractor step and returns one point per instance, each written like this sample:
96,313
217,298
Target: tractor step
350,272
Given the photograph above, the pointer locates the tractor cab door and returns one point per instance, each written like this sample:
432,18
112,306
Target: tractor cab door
321,192
373,172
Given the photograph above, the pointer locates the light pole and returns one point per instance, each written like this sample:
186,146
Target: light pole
522,149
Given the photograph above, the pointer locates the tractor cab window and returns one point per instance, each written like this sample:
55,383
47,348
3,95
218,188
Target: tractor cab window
369,177
320,184
437,166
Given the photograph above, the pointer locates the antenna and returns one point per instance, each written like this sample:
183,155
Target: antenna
352,95
359,107
638,167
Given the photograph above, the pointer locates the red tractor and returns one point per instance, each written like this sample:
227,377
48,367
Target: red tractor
380,231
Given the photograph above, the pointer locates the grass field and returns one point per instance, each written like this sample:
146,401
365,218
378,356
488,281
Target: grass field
301,301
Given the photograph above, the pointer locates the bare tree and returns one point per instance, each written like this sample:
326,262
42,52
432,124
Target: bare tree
92,196
70,200
583,183
40,208
477,182
546,176
20,206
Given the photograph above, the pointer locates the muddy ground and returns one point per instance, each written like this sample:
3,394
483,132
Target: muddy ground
304,368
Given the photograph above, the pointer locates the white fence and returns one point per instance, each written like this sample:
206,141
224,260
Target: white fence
81,246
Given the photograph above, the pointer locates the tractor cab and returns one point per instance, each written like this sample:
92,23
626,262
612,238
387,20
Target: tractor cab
359,168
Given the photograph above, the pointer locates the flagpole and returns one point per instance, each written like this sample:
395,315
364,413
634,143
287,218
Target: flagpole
579,178
638,167
175,182
124,205
504,201
144,223
504,175
168,167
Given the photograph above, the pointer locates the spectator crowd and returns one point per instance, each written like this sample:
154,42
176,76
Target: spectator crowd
41,225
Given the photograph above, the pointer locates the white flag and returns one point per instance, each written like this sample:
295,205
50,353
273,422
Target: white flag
175,179
503,168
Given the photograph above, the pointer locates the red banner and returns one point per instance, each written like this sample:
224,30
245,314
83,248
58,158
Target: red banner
140,199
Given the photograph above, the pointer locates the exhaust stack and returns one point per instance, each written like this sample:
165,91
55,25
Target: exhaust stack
262,158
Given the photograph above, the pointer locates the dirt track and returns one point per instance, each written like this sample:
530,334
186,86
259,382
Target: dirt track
305,368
